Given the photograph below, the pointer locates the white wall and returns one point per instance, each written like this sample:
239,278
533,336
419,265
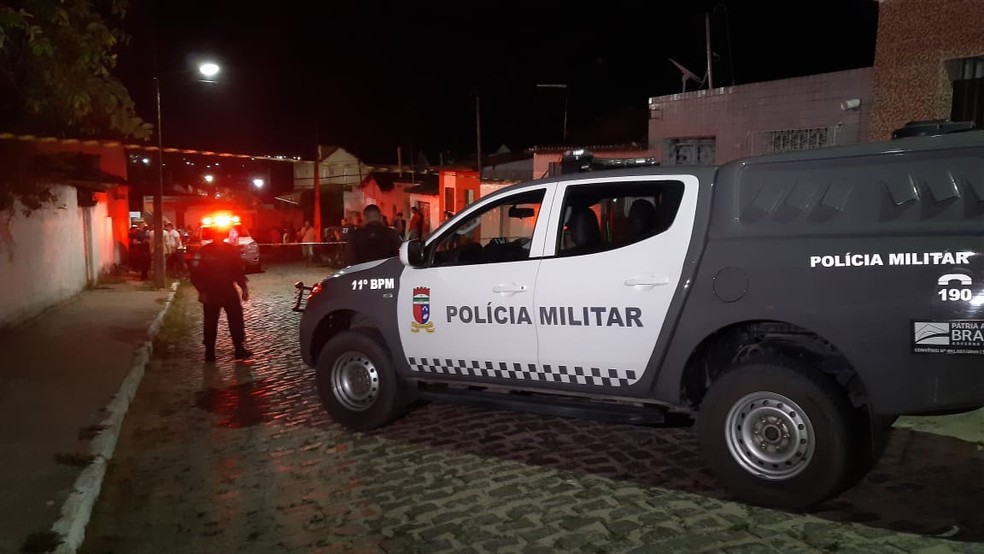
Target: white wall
104,254
42,256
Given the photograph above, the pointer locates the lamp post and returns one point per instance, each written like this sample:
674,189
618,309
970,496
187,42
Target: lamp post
208,70
563,86
159,265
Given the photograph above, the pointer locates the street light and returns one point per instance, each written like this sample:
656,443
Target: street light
563,86
258,183
208,70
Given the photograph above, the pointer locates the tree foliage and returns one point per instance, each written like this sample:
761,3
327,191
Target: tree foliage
56,62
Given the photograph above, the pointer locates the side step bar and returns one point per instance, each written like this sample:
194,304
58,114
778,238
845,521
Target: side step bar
554,406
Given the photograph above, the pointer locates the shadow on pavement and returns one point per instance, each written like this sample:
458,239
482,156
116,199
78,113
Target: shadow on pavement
925,484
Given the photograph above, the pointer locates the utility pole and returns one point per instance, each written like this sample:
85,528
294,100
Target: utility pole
727,30
565,114
707,35
566,95
478,137
317,193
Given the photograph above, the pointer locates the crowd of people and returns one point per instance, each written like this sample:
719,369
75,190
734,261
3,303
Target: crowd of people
338,238
291,234
142,245
334,240
217,273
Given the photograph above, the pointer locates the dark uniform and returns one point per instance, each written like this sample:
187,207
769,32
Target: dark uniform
215,271
374,241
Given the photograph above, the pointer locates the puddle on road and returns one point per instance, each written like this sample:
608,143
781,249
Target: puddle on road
242,405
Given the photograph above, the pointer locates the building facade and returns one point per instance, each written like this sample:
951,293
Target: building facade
722,124
929,63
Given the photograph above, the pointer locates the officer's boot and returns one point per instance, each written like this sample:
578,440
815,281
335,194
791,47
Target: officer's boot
242,353
210,353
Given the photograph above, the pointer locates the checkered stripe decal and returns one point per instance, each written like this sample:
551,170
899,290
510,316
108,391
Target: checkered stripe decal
575,375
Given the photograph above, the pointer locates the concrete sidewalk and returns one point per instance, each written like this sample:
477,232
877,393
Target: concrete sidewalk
66,379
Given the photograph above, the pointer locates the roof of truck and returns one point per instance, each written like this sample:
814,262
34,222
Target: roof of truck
910,144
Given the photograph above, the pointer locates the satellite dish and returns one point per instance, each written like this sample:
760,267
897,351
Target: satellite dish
686,74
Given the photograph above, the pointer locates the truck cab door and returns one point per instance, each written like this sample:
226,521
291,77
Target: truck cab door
467,310
613,259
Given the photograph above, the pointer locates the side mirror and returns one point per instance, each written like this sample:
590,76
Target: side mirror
412,253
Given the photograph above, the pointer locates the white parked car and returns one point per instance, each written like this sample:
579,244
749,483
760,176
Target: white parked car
218,225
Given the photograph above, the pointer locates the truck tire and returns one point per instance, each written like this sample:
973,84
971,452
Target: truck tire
356,382
777,433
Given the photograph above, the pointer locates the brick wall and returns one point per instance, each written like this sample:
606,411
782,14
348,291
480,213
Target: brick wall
915,40
734,115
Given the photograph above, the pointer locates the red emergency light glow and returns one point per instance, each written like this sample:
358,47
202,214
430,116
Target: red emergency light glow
221,220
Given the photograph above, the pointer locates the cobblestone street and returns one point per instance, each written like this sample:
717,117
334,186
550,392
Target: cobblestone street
240,457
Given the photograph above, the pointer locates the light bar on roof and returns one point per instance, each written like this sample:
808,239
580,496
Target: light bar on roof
221,220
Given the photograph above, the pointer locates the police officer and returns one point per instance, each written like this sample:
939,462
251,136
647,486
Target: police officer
215,272
374,241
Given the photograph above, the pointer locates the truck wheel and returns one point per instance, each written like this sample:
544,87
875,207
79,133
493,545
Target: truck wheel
357,383
777,433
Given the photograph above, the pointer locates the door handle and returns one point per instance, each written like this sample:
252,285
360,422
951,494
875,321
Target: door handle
512,288
647,281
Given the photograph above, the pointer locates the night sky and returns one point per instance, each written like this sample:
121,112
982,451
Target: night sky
372,76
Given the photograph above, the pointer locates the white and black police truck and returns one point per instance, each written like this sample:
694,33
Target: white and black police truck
794,303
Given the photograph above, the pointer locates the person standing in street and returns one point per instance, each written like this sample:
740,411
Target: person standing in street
172,244
415,230
400,224
373,241
141,242
308,236
216,271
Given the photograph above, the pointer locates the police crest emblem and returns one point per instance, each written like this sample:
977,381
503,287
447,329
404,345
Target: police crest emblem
421,310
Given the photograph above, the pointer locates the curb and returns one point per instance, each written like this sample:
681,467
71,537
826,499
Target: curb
77,509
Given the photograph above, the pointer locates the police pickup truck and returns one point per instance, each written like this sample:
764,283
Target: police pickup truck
794,303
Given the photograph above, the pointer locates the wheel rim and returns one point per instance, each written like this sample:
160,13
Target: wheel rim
355,381
770,436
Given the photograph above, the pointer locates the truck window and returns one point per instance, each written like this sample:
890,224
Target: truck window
499,232
603,216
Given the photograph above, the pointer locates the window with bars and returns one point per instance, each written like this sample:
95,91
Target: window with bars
689,151
789,140
967,76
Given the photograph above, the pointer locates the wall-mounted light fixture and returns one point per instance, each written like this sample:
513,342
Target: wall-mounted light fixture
851,104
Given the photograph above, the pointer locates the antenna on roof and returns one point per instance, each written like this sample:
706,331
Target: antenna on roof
686,74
